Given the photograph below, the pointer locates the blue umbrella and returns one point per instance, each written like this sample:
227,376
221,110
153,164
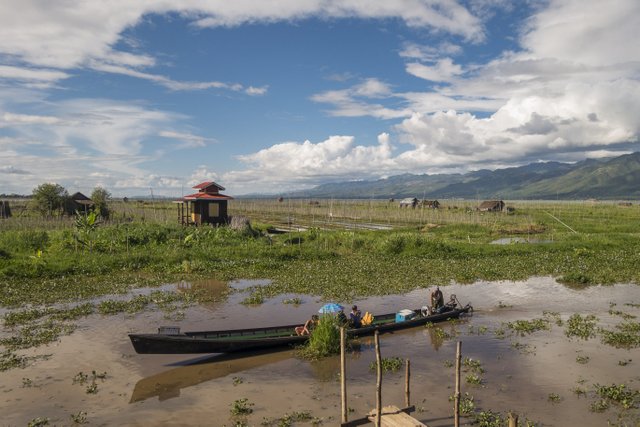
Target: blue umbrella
331,307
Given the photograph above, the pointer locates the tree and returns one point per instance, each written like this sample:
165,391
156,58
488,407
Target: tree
49,198
100,198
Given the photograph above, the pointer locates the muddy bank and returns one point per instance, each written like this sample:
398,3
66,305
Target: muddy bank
520,373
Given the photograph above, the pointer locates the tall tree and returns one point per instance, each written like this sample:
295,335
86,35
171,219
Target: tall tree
100,198
49,198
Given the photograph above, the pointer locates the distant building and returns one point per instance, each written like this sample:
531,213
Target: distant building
409,202
207,206
78,202
431,204
491,206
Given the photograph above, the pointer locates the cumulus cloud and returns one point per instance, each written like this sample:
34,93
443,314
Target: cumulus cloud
569,92
295,163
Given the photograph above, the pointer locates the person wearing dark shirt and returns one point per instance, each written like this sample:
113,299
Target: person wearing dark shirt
355,317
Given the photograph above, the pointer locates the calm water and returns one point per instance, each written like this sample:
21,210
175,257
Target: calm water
197,390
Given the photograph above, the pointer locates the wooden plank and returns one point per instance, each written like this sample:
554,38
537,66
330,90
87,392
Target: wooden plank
366,420
392,416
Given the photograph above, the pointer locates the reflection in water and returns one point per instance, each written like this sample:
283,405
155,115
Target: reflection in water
168,384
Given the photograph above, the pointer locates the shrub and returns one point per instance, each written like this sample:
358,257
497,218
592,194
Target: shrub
324,340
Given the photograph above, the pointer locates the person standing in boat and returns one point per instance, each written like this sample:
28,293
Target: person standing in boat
437,299
308,326
355,317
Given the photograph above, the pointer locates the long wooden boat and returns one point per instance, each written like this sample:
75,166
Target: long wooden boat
239,340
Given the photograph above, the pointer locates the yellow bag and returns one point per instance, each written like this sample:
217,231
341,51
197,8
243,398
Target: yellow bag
367,319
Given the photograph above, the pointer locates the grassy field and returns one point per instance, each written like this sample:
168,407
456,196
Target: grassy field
322,247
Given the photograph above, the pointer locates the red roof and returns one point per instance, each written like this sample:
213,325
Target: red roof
205,196
208,184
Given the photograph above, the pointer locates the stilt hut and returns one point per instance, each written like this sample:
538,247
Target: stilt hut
207,206
78,202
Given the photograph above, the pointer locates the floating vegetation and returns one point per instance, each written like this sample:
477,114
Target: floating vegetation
622,314
448,363
79,417
554,398
503,305
324,340
473,379
241,407
38,422
600,405
237,380
389,364
92,387
618,394
579,391
294,301
489,419
525,327
37,334
256,298
134,305
480,330
524,348
581,327
553,316
583,360
624,362
626,335
467,404
289,419
10,360
473,365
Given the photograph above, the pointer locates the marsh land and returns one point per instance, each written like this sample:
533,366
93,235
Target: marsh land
69,294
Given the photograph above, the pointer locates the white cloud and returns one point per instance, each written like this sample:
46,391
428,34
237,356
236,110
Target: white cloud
202,174
572,90
43,75
294,163
17,119
444,70
85,33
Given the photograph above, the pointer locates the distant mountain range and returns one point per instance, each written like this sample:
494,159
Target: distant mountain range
609,178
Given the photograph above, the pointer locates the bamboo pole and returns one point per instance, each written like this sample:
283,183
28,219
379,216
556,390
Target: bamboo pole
407,378
343,376
378,381
456,408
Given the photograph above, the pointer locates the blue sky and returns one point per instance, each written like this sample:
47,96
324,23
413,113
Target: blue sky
265,96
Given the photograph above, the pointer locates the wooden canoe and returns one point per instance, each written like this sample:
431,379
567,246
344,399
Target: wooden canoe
239,340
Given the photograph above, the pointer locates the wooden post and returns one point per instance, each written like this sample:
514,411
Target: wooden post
456,408
343,375
407,378
378,381
513,420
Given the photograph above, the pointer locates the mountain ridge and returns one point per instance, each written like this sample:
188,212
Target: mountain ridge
606,178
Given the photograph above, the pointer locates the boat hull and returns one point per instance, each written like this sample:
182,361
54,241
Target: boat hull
240,340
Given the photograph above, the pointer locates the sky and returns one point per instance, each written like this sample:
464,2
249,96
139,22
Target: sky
155,96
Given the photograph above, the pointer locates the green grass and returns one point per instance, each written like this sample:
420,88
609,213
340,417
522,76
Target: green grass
324,339
41,263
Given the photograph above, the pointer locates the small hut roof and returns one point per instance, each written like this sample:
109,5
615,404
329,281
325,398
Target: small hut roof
487,204
208,184
206,196
78,196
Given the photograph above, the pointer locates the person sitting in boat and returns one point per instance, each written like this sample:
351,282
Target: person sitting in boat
308,326
437,299
355,317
